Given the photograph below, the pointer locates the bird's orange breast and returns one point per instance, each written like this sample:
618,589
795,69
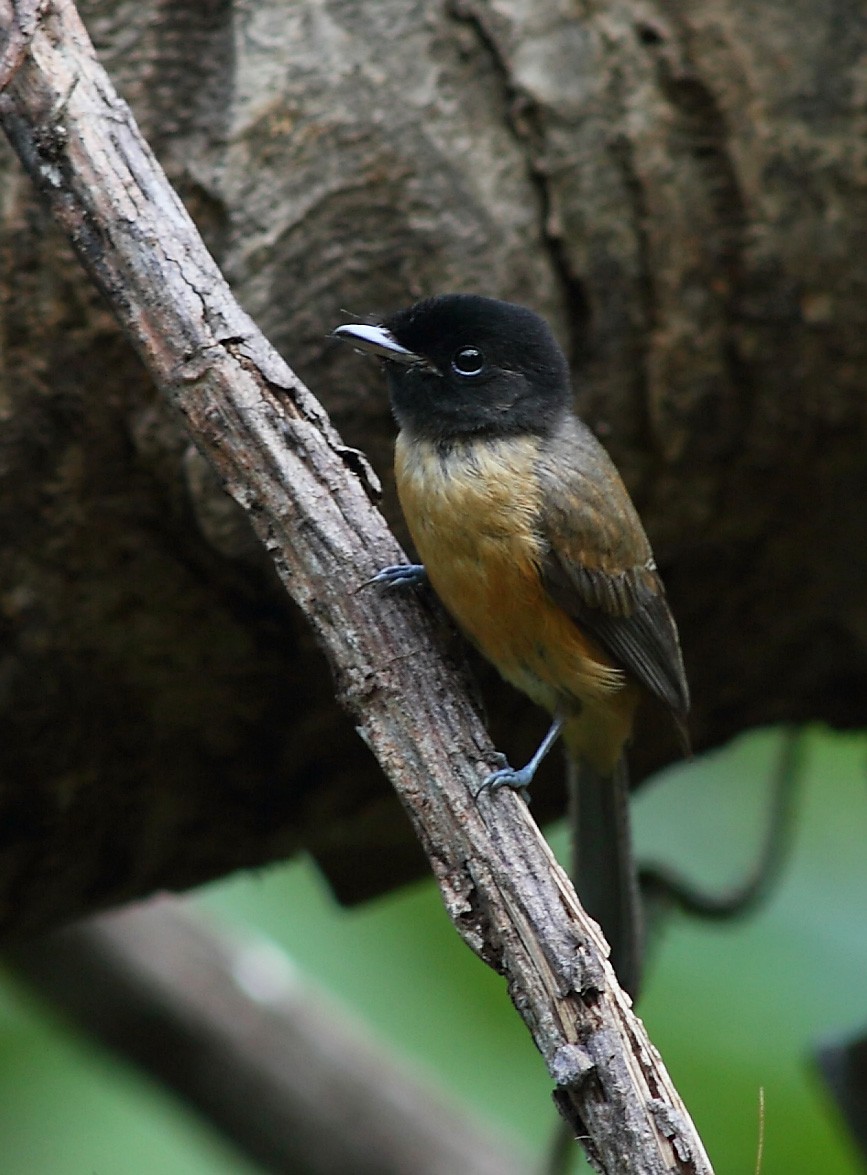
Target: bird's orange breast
474,512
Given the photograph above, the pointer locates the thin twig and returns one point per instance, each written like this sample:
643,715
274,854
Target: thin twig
671,888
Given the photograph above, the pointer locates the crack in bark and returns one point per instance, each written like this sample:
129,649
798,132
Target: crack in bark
702,123
523,117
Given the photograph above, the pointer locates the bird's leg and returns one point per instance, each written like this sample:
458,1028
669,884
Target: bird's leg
522,778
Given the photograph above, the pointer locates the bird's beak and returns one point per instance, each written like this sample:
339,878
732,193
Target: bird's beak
377,340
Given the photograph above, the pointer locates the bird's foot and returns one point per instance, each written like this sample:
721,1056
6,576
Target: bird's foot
400,575
518,779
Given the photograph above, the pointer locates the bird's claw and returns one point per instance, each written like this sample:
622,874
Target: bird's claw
516,779
400,575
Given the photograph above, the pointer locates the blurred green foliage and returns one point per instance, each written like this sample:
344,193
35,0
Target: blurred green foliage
731,1008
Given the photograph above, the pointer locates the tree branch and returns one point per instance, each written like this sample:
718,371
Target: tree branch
308,497
223,1020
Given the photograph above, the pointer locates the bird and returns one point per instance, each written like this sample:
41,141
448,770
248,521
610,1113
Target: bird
528,536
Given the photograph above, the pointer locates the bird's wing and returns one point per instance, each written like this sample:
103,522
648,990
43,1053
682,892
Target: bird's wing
598,566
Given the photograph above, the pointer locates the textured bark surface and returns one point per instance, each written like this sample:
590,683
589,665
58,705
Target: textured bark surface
681,191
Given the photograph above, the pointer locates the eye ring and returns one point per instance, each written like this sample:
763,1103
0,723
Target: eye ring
468,362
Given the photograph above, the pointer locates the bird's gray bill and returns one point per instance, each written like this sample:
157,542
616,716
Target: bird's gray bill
376,340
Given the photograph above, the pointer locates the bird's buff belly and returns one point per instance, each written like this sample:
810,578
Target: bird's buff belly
482,553
498,602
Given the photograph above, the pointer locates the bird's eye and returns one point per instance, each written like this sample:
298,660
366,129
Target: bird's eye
468,361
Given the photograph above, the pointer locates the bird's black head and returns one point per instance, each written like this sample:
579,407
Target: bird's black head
460,365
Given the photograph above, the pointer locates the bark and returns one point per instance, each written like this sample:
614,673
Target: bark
307,496
680,189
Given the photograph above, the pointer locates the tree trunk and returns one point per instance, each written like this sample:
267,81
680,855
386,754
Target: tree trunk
680,192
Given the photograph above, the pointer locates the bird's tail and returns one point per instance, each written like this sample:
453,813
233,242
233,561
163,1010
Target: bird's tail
603,864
